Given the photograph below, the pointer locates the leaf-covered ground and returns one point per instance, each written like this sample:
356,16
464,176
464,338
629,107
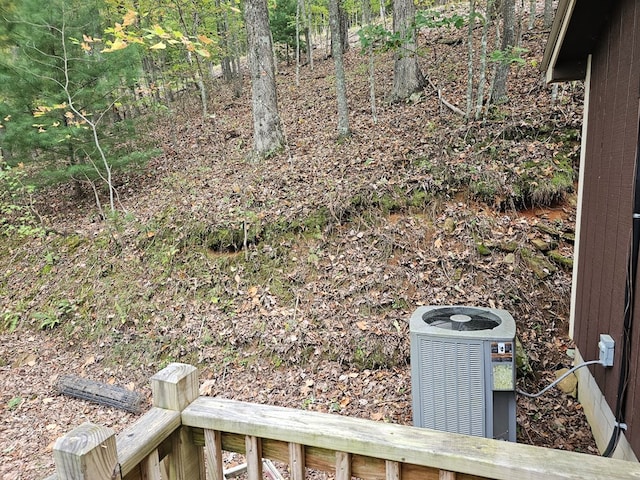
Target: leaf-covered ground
290,281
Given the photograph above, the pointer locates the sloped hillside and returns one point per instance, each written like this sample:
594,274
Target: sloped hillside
290,281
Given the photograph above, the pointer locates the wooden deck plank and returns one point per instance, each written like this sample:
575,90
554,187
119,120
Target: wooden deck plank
419,446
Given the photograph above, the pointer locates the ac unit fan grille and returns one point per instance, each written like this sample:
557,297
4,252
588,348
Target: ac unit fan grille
461,319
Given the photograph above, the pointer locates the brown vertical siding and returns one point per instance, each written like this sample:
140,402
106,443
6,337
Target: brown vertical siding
612,142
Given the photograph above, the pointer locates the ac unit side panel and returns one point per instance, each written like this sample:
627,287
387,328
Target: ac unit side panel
449,384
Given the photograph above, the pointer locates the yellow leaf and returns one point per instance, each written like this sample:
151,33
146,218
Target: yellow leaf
204,39
40,111
129,18
158,30
158,46
69,115
117,44
203,53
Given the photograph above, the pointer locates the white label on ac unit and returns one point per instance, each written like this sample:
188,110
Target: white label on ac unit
502,365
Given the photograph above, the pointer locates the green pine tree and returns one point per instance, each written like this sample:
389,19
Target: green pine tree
59,96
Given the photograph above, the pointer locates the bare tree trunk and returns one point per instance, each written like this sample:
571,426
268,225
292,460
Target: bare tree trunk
344,27
548,13
472,23
482,80
298,41
532,14
309,36
366,20
223,36
372,85
508,42
267,129
336,52
199,71
407,77
366,12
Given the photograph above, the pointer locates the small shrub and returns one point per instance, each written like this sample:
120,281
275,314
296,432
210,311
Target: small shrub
16,215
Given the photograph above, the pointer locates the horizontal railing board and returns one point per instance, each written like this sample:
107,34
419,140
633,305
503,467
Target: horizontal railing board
419,446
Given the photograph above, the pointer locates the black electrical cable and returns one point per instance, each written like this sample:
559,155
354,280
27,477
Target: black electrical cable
629,294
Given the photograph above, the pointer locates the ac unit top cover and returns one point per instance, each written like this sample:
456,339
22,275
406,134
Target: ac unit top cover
463,322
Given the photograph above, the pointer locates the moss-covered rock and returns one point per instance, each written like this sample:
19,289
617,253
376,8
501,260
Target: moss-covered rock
540,266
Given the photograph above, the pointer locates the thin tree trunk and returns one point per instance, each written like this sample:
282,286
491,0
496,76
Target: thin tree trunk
309,36
508,42
532,14
341,87
548,13
366,20
199,71
223,42
366,12
298,42
482,80
472,22
372,85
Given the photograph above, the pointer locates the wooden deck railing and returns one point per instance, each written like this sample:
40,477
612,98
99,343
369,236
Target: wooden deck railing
183,436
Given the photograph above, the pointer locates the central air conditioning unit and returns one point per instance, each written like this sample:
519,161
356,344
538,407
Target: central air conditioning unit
463,370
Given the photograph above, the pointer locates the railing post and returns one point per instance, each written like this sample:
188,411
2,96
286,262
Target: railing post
174,388
88,452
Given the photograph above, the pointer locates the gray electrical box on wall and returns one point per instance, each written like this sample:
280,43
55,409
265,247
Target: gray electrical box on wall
463,370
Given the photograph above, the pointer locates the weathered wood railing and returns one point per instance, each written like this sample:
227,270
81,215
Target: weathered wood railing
183,436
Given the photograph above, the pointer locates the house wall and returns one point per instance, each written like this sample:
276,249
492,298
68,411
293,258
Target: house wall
605,225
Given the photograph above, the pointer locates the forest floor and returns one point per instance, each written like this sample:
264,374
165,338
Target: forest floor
290,281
